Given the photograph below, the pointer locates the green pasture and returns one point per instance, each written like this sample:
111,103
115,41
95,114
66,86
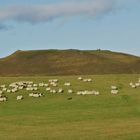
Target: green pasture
54,117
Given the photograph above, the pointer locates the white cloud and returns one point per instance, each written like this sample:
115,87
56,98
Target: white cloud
44,13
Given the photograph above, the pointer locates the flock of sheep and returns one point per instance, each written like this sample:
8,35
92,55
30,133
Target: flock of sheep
136,84
34,88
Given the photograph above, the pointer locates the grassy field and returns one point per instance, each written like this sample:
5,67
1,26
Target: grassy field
53,117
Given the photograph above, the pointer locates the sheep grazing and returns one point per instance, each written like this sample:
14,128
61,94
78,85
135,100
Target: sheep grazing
80,93
53,80
80,78
19,97
41,84
114,88
46,85
53,91
3,98
36,95
35,88
96,93
34,85
131,84
87,80
137,84
86,92
48,89
20,85
29,89
20,88
67,84
14,90
139,80
70,91
32,89
84,80
4,89
114,92
2,86
8,91
30,94
60,90
53,84
29,86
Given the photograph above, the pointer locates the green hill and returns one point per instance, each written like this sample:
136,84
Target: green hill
68,62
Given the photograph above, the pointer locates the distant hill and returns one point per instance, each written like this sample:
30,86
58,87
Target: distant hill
68,62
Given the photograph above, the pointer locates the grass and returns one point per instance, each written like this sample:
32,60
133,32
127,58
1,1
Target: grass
53,117
68,62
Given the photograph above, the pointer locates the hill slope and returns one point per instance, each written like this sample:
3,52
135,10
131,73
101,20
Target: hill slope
68,62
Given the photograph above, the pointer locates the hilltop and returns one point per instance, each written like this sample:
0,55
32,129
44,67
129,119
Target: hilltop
68,62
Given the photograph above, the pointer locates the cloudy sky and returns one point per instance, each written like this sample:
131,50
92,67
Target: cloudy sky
70,24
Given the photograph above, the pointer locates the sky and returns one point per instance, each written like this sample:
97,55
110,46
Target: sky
70,24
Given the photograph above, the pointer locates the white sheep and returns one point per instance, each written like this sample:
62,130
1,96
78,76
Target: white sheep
48,89
114,88
80,78
14,90
137,84
87,80
54,85
46,85
30,94
133,86
86,92
3,99
29,86
36,95
20,88
96,93
19,97
138,80
53,80
53,91
41,84
130,84
114,92
60,90
3,86
67,84
35,85
8,91
4,89
35,88
70,91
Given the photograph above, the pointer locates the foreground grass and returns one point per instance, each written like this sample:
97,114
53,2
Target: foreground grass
53,117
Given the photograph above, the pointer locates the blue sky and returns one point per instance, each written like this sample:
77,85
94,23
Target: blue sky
113,26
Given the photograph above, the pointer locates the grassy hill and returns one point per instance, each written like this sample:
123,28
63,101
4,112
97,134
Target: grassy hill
68,62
